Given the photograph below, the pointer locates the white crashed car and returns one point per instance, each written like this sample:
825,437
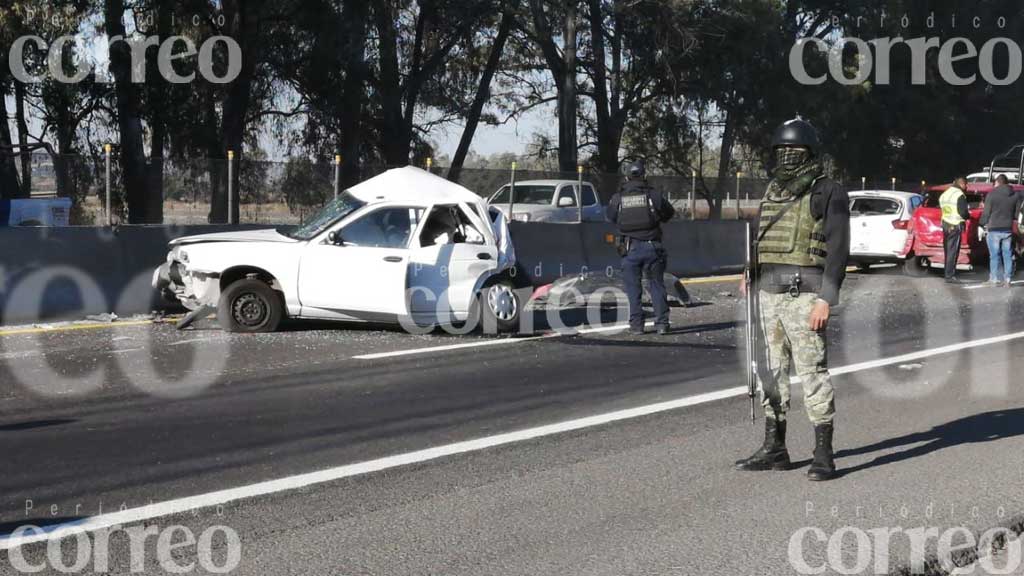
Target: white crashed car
405,246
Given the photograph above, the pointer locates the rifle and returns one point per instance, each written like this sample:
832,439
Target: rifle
757,361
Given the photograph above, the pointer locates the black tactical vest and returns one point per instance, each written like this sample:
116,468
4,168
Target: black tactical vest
636,211
797,238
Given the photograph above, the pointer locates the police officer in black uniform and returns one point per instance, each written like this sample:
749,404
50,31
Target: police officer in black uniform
639,210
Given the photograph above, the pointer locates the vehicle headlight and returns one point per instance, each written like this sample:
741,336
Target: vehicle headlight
521,217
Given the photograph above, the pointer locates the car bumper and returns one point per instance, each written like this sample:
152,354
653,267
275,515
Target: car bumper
937,254
192,289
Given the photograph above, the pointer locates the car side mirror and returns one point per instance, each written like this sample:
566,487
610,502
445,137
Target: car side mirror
566,202
335,239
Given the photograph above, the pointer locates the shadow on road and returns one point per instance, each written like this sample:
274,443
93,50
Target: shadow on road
652,340
8,528
976,429
32,425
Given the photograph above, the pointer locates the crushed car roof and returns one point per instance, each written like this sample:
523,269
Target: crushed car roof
411,184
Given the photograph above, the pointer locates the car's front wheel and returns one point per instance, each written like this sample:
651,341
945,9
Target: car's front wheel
250,305
501,306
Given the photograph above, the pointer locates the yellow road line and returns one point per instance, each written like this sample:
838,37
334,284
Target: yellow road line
71,327
712,279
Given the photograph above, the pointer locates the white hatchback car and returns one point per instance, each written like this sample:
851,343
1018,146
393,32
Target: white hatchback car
549,201
403,246
879,220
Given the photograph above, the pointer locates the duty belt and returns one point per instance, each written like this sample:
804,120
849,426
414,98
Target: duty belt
792,280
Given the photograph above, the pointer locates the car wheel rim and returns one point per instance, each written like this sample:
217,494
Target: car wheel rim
502,302
250,310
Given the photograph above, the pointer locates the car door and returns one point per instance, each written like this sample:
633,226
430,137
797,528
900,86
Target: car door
361,274
592,209
445,270
566,207
872,225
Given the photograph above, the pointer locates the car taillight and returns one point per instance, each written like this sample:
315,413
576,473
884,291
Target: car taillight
901,224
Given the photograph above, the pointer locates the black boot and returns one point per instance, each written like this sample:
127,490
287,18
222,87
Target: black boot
824,466
773,454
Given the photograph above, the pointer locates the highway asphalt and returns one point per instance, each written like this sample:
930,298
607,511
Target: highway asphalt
127,416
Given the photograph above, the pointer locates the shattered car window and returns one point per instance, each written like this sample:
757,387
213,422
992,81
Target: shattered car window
335,210
385,228
874,207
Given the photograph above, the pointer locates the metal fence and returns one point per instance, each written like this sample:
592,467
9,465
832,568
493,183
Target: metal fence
198,191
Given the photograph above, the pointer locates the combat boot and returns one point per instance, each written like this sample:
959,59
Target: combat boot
773,454
824,466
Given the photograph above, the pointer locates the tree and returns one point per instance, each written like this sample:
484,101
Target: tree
561,63
423,36
243,24
630,45
10,184
131,155
483,93
353,28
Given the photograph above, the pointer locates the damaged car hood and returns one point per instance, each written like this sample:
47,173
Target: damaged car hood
267,235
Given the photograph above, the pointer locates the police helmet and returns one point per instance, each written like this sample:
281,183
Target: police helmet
797,132
637,169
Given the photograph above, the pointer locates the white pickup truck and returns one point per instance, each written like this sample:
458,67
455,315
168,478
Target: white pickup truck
405,246
549,201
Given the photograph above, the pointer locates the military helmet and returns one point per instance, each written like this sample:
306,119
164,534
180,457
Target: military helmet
637,169
797,132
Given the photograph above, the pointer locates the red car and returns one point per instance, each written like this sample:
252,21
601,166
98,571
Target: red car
924,241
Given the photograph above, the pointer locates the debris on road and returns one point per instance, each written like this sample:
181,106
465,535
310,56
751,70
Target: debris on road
194,315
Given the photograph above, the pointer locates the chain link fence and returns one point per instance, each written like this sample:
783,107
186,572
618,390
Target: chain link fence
273,193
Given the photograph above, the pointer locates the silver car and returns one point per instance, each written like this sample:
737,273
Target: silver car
549,201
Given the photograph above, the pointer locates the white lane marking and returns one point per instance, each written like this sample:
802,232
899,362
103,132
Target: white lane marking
190,341
211,499
905,358
290,483
982,285
499,342
18,355
37,353
482,343
125,351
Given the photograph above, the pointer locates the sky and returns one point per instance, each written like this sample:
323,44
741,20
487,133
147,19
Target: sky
512,137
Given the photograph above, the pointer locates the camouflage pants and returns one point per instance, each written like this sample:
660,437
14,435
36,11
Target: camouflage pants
792,344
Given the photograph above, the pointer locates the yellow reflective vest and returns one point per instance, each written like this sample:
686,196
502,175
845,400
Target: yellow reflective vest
948,202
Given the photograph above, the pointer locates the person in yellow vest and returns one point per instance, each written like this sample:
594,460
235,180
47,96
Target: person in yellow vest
802,247
954,214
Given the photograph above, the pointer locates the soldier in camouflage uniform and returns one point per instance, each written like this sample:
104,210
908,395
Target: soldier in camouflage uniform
803,244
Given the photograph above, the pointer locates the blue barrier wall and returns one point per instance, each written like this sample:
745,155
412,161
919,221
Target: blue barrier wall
65,273
547,252
68,273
